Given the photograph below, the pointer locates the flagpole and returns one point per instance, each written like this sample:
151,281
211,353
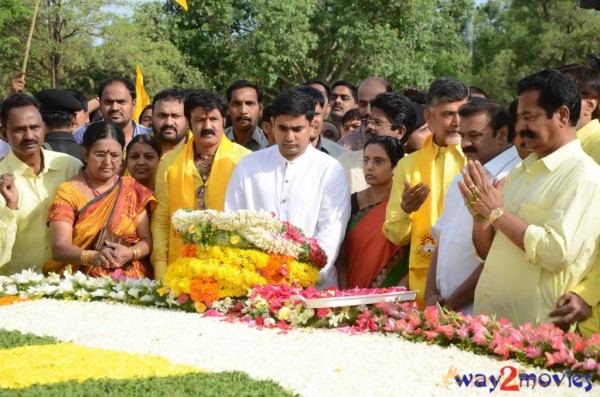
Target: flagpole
31,29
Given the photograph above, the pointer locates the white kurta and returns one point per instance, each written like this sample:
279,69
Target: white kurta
456,254
310,192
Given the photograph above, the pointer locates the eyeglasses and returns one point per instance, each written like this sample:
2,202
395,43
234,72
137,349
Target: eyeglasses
377,123
114,157
201,204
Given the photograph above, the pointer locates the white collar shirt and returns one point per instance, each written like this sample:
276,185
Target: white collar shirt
456,259
311,192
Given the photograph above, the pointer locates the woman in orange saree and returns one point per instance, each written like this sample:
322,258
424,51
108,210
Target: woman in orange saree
99,222
367,258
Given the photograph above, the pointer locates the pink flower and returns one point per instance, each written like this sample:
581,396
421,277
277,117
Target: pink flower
533,351
182,298
322,313
589,364
118,275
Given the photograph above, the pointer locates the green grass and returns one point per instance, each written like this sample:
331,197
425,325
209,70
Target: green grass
224,384
10,339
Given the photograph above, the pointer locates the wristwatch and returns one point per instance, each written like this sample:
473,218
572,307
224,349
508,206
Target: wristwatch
496,213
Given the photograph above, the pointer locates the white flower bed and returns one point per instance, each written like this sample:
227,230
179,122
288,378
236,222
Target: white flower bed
309,362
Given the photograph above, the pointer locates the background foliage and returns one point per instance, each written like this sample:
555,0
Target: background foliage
280,43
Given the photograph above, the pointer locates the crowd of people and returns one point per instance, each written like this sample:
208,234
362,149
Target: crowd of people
481,208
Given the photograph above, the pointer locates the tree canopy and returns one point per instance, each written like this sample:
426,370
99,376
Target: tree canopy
281,43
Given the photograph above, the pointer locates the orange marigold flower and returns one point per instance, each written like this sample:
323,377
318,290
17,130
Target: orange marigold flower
204,289
189,251
276,269
9,300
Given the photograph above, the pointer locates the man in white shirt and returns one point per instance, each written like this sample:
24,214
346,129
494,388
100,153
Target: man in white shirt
295,181
487,132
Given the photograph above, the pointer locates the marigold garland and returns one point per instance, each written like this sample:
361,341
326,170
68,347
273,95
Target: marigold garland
226,254
9,300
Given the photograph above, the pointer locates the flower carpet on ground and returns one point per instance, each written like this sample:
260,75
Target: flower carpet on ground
271,306
306,361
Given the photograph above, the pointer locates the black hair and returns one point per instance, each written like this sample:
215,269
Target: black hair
55,120
392,146
587,78
398,109
145,138
169,95
294,103
498,114
314,94
320,82
116,79
242,84
352,114
78,95
205,99
446,89
101,130
267,113
151,106
348,84
555,90
18,100
477,90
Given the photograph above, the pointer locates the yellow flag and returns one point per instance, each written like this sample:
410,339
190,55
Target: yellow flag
142,99
182,3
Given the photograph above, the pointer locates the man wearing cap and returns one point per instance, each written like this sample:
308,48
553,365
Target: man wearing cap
29,177
58,109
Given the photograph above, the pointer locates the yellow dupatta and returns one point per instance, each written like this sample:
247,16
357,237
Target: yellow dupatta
182,185
425,170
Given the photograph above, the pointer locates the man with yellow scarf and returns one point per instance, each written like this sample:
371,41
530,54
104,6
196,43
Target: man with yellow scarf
421,180
195,175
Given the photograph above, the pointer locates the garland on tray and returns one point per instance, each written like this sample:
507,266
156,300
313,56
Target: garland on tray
277,306
226,253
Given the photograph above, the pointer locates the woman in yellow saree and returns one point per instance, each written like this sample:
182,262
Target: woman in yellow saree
99,222
367,258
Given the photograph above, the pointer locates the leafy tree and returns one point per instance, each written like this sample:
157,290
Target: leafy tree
514,39
279,43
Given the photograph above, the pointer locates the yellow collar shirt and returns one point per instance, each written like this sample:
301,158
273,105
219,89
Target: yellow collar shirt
558,197
24,235
589,136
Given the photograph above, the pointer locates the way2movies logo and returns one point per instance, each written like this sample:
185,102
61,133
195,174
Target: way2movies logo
511,379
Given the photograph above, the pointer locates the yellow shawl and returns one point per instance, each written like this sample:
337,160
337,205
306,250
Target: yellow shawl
426,170
182,186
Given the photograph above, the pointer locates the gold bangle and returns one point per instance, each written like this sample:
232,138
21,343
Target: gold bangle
137,253
86,257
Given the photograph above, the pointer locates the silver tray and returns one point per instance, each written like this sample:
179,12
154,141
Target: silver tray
355,300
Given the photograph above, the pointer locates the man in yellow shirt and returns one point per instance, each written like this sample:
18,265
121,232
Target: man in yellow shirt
195,175
547,234
29,177
577,303
421,180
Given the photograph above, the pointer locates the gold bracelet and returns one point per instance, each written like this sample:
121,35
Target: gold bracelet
137,253
86,257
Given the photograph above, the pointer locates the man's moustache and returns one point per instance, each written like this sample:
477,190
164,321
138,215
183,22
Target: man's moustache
528,134
34,141
240,118
208,132
469,150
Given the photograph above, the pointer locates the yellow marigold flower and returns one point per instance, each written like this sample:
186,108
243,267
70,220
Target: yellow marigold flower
284,313
200,307
235,239
163,291
192,229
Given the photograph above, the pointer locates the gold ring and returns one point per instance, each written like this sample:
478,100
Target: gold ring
470,187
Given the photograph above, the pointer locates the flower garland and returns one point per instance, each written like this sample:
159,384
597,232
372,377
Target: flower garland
275,306
228,253
258,230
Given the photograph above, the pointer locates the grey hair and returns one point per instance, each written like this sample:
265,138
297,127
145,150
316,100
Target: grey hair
446,89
